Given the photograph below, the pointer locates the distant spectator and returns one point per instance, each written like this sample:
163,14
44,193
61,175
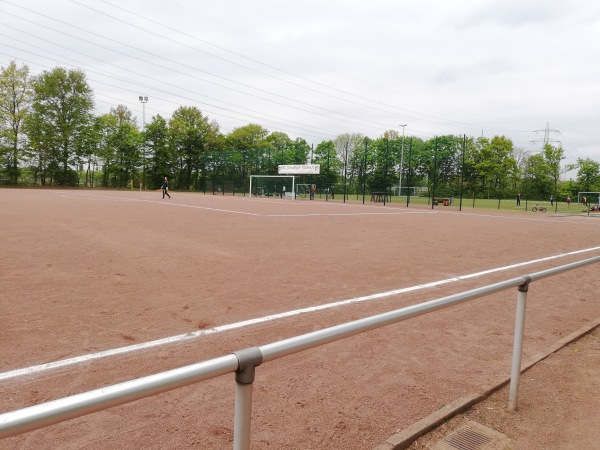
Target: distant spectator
165,188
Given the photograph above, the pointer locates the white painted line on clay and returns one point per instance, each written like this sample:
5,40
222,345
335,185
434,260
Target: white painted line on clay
233,326
390,213
168,203
180,205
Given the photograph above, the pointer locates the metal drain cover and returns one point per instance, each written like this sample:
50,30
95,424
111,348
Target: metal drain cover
473,436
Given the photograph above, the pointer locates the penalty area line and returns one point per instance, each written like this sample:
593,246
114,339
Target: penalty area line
270,318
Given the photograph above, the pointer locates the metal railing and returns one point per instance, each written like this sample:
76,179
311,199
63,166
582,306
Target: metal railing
244,363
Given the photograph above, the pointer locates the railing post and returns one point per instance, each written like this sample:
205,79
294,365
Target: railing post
248,359
515,372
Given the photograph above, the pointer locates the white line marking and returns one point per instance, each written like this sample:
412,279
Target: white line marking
167,203
233,326
400,210
390,213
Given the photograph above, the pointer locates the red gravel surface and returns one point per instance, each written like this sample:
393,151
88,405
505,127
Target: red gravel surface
83,272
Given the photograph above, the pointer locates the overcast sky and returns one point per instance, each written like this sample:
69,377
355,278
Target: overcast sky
318,68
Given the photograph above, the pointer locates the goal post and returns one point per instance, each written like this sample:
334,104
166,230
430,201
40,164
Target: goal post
272,185
590,197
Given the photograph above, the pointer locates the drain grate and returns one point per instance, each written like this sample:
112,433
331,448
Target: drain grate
468,440
473,436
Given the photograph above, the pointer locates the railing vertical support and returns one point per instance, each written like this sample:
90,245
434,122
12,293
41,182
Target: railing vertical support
515,373
248,359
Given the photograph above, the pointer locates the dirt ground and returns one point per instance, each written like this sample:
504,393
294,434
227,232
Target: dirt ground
559,400
84,272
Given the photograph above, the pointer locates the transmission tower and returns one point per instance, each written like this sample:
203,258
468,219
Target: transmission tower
546,140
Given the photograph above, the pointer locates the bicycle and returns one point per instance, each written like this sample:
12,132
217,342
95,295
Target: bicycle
540,208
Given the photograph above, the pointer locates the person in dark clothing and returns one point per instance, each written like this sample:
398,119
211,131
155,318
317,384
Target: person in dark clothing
165,188
518,199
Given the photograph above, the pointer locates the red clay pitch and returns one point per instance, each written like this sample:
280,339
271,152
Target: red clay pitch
88,271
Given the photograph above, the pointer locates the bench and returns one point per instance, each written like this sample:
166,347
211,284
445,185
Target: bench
379,197
443,201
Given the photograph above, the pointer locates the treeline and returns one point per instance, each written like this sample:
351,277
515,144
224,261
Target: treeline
50,136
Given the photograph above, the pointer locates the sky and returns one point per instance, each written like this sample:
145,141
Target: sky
314,69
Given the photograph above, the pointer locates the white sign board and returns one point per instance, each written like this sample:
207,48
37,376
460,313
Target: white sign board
300,169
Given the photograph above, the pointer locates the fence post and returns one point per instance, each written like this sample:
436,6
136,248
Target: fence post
248,359
515,372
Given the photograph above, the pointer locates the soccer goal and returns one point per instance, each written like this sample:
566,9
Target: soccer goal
302,190
412,191
588,198
272,185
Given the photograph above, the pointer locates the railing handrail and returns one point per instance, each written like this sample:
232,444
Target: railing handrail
44,414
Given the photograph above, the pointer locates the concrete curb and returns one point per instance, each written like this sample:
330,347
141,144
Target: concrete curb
404,438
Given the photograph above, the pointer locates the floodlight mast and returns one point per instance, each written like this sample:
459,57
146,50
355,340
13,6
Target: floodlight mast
401,163
143,100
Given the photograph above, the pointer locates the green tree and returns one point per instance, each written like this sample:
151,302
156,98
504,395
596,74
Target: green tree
105,128
61,109
496,165
325,156
553,156
348,147
280,151
251,147
538,180
300,151
89,144
190,134
379,163
159,153
469,172
127,142
588,175
15,98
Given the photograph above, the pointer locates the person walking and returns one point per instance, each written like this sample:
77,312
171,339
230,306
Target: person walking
165,188
518,199
568,201
552,200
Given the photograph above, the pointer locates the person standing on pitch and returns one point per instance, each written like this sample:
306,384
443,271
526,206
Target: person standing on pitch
518,199
165,188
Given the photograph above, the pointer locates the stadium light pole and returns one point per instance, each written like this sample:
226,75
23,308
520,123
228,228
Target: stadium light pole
401,162
143,100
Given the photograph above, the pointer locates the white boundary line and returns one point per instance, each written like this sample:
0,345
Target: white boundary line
392,211
180,205
270,318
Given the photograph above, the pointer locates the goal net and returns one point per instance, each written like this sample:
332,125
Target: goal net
412,191
590,198
302,190
272,185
